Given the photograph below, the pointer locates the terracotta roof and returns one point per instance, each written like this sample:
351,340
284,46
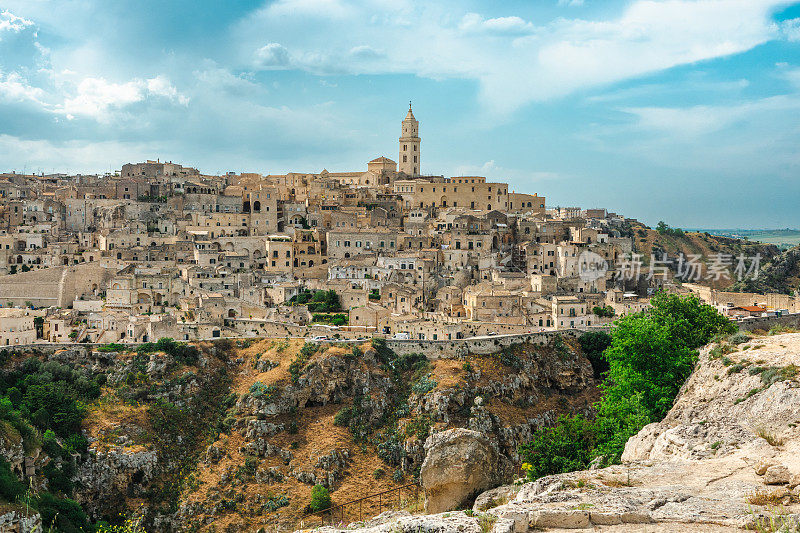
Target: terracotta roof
382,159
753,308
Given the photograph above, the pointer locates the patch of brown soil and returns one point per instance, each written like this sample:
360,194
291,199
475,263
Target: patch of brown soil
448,373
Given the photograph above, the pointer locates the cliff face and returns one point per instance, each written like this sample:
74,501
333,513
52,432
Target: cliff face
235,439
649,242
726,457
355,421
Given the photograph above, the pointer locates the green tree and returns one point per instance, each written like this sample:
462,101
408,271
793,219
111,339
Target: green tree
650,356
320,499
565,447
593,345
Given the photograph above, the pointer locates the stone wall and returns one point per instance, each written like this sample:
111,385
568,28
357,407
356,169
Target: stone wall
432,349
54,286
481,345
765,323
772,300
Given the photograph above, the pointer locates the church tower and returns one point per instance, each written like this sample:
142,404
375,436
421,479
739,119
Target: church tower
409,161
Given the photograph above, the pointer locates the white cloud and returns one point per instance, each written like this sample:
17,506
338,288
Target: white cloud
473,22
514,61
365,52
221,78
15,88
695,121
750,140
570,3
10,22
161,86
313,8
272,56
98,98
792,75
790,29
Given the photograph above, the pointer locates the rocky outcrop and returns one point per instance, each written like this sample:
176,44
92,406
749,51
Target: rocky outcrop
107,475
726,458
459,464
12,449
19,521
731,402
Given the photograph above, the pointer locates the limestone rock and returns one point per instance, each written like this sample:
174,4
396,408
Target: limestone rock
458,464
777,475
495,497
18,521
567,519
762,465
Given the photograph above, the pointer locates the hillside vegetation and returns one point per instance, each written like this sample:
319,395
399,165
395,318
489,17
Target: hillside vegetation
649,356
673,242
255,434
780,273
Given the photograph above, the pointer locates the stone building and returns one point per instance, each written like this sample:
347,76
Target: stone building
410,160
16,327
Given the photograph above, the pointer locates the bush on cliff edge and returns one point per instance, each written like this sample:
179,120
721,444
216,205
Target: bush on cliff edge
651,355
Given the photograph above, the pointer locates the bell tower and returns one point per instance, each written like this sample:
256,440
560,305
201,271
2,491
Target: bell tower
409,161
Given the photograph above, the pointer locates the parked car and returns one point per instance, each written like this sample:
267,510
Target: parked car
403,336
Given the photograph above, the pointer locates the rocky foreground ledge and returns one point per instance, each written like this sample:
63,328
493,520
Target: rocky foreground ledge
726,458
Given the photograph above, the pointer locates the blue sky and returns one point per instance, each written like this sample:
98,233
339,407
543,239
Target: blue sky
681,110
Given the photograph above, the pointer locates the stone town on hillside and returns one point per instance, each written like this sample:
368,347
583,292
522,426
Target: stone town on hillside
160,250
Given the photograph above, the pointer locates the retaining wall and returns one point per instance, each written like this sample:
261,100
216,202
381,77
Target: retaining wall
446,349
791,320
439,349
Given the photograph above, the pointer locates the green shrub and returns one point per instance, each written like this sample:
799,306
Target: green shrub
735,369
49,444
318,301
111,347
739,338
180,351
61,514
267,392
336,319
508,357
563,448
343,417
10,487
276,502
420,427
299,362
774,374
424,385
650,357
664,229
320,499
593,345
603,311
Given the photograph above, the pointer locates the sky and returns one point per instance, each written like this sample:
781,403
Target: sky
686,111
